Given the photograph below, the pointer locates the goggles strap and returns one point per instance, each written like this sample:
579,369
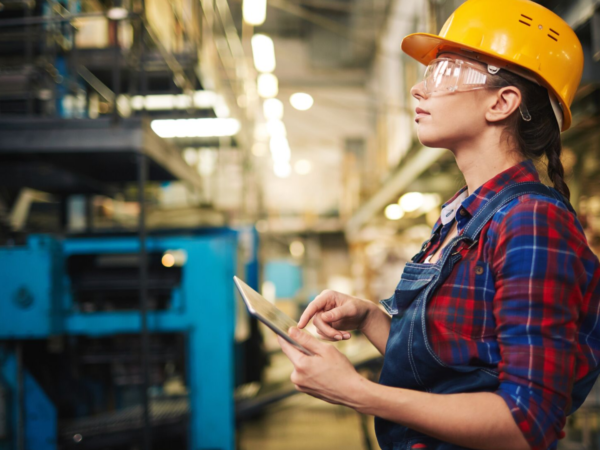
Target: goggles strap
524,112
557,108
556,105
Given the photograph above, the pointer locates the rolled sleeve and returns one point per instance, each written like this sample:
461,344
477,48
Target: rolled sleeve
536,310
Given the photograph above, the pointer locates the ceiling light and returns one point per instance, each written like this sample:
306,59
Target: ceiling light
255,11
160,102
302,166
182,128
267,85
273,109
204,99
297,249
411,201
301,101
168,260
137,102
118,13
263,51
191,156
198,99
280,149
276,128
394,211
282,169
172,258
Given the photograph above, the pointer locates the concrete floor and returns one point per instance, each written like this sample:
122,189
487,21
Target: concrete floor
302,422
305,423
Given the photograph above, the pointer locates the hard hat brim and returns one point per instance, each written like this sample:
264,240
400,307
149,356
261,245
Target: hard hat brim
424,48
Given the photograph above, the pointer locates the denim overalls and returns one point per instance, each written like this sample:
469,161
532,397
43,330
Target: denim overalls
410,361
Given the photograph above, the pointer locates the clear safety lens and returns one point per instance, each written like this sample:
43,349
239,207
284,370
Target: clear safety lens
449,75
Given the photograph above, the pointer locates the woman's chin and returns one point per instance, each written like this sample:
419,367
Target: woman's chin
428,140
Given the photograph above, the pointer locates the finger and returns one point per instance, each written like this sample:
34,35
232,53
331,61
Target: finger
339,313
326,329
325,337
345,334
320,302
306,340
290,351
312,308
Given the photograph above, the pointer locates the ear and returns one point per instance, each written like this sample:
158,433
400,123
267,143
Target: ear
503,103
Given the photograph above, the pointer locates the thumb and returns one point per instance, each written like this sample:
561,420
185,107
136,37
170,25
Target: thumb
306,340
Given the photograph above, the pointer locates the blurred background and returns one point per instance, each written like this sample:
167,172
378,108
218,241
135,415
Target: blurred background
152,149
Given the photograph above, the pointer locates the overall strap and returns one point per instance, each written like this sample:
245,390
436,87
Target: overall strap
507,194
426,244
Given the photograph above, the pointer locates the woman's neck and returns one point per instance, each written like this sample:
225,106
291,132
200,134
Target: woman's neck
481,161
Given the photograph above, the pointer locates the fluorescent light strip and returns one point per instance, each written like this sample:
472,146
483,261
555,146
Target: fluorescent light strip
263,51
185,128
255,11
200,99
267,85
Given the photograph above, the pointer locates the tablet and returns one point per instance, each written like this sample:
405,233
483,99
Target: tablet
267,313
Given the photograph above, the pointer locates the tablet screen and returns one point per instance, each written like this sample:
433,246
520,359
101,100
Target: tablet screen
267,313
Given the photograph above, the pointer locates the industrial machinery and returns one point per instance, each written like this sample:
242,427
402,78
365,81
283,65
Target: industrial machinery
120,337
71,370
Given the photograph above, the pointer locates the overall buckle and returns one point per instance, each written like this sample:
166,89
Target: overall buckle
468,248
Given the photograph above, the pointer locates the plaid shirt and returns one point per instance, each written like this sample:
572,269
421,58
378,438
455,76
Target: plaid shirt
525,301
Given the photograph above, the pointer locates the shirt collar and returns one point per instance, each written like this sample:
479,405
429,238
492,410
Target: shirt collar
449,211
519,173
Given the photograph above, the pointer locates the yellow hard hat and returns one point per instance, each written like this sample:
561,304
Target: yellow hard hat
513,35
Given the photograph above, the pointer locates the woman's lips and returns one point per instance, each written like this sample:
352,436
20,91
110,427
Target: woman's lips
420,114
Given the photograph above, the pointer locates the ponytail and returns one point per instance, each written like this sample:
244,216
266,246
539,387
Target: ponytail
556,171
541,135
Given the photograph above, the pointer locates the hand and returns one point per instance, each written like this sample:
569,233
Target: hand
334,313
327,375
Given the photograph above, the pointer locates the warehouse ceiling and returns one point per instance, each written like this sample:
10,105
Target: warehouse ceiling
324,49
327,49
351,146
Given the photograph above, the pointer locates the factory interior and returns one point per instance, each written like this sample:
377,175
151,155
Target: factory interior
151,150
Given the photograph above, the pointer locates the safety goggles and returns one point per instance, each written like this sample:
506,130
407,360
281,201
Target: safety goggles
451,75
454,75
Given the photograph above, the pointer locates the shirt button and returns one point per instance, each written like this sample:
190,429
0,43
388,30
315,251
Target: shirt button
478,270
462,212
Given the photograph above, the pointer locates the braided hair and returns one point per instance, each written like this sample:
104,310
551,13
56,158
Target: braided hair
541,135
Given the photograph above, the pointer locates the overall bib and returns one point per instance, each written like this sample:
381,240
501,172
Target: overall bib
410,361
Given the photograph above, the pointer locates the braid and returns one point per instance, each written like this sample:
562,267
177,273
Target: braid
556,172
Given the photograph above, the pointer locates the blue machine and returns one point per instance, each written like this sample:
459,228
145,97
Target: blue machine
286,276
50,290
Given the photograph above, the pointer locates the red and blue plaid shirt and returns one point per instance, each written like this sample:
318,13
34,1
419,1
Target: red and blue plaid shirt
525,300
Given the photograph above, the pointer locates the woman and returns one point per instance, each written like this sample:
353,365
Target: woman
491,336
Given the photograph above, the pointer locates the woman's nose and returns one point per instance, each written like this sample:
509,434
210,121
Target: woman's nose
418,90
